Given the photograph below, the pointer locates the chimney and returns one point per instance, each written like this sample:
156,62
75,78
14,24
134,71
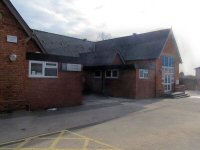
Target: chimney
134,34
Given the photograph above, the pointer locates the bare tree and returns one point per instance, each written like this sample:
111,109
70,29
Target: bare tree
103,36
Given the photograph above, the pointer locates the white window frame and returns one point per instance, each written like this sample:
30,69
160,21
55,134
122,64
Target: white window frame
98,77
44,65
142,76
112,77
170,71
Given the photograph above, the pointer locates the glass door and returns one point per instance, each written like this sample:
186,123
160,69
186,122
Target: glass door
167,83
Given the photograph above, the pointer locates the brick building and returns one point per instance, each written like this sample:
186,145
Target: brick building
30,75
197,70
137,66
43,70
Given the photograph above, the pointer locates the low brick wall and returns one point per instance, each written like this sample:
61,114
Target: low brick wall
180,88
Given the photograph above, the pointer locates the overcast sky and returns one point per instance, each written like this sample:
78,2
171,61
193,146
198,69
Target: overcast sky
87,18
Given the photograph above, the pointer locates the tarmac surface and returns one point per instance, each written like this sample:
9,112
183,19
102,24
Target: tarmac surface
109,123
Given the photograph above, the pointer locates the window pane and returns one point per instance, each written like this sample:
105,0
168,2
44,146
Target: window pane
165,87
168,79
166,61
168,88
165,79
146,75
51,64
172,62
115,73
108,73
36,69
51,72
145,71
141,73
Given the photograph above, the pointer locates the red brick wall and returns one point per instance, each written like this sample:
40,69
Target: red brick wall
124,86
117,60
92,84
157,88
145,88
12,81
169,50
139,88
16,88
66,90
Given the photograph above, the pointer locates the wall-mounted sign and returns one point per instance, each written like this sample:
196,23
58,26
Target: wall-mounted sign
11,39
71,67
177,82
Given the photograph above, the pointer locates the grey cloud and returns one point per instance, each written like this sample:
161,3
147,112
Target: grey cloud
54,16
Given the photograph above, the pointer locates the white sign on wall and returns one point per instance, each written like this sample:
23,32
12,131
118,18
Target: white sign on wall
177,82
11,39
71,67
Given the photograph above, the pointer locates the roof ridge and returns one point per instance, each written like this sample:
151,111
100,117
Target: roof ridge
61,35
154,31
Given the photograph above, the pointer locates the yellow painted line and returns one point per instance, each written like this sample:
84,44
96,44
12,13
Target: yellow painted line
57,140
76,134
62,138
32,137
96,141
85,146
23,143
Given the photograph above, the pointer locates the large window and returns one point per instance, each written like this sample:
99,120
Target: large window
168,61
43,69
143,73
112,73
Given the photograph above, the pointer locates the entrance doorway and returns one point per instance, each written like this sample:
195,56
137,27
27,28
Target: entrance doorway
167,83
168,79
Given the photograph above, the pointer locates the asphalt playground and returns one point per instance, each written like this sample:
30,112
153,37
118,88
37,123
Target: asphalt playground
121,124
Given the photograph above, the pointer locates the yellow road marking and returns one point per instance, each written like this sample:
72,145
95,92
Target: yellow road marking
56,140
85,146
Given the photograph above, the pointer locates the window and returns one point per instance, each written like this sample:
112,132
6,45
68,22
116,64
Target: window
43,69
108,74
115,73
112,73
168,61
36,69
97,74
143,74
51,69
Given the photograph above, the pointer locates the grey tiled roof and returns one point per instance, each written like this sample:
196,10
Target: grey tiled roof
138,46
98,58
135,47
55,44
